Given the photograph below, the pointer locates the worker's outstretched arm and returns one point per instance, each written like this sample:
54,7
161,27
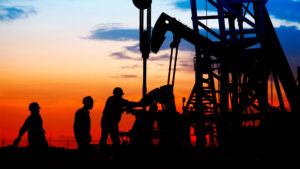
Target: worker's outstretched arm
22,131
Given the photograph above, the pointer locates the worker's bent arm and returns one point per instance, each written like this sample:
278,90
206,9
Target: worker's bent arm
22,131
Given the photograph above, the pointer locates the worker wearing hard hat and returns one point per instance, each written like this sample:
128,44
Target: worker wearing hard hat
82,124
34,125
114,107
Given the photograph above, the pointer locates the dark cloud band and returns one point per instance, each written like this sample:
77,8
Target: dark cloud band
12,13
126,76
115,34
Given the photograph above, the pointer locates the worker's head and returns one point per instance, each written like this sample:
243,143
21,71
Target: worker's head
118,92
34,107
88,102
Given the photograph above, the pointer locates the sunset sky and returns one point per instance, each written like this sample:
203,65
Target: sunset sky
55,52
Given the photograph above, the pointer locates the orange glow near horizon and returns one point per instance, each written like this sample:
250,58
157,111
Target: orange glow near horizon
59,103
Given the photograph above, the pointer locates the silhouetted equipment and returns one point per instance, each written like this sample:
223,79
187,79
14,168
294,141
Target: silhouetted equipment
145,36
233,65
125,137
142,4
250,54
165,125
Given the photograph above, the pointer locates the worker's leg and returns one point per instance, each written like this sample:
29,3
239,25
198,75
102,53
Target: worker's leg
104,136
115,135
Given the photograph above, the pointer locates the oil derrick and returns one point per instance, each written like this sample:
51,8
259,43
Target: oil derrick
245,53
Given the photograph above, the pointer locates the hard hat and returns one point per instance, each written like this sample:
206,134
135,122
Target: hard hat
87,100
34,106
118,90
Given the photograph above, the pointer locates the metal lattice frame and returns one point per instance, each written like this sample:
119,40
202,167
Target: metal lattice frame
247,51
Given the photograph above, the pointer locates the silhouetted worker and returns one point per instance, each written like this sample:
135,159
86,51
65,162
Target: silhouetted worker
114,107
34,125
82,124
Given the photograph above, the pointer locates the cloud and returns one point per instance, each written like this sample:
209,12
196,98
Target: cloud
284,23
131,66
129,76
122,56
116,34
12,13
126,76
134,48
160,57
186,65
287,9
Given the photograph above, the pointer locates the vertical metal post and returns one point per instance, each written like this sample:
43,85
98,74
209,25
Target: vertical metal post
221,21
144,76
149,24
145,37
170,66
174,69
146,49
298,89
199,128
298,76
141,29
